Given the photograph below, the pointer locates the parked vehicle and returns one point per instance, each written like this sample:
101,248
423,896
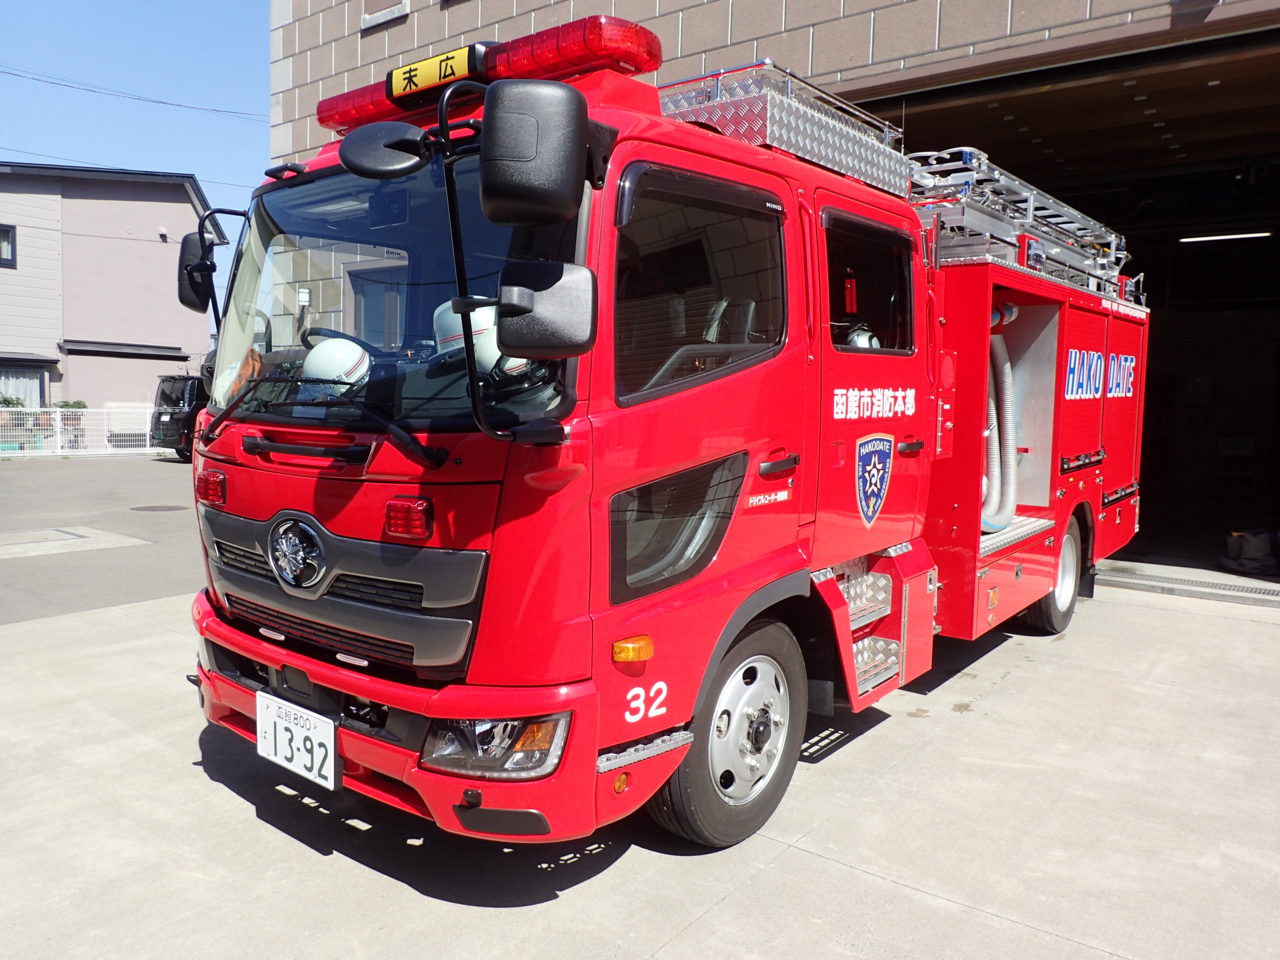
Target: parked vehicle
179,401
570,442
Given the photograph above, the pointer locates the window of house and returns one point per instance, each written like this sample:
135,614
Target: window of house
699,285
869,286
23,384
8,245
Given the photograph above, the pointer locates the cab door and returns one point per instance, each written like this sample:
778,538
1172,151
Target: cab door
697,421
875,405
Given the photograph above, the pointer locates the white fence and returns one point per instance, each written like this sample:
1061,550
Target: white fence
67,432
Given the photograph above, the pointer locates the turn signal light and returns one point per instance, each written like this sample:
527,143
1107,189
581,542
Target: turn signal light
633,650
211,488
537,736
407,517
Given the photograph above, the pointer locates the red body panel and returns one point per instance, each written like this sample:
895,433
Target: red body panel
758,409
841,531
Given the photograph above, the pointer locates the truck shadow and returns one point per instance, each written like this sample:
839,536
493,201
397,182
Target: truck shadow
415,851
951,656
823,736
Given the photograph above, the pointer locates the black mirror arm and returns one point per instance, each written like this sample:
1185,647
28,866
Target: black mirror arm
463,299
206,264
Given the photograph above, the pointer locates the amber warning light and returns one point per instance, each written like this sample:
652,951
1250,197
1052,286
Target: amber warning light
582,46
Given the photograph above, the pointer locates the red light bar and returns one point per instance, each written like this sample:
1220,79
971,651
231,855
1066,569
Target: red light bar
407,517
592,43
357,107
582,46
211,488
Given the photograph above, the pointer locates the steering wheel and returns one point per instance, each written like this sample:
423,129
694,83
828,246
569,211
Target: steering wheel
321,332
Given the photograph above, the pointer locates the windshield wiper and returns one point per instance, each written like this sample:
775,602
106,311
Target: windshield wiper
250,387
434,457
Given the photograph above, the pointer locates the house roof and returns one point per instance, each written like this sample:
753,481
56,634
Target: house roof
187,180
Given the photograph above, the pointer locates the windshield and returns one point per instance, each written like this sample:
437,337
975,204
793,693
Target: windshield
342,293
170,392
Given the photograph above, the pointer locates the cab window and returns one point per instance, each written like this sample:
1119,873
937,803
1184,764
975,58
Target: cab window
699,288
868,286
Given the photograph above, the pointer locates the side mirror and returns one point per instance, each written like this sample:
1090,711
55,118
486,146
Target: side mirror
206,375
384,151
195,275
533,152
546,311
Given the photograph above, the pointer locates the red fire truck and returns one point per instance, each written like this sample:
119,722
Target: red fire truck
571,439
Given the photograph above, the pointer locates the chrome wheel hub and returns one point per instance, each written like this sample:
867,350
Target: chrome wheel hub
1068,563
749,729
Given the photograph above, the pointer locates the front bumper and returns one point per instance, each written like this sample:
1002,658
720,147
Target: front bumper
561,806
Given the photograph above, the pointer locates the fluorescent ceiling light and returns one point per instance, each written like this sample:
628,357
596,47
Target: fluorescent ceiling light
1225,236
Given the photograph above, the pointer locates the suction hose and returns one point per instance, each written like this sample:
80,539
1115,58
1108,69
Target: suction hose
1006,477
991,479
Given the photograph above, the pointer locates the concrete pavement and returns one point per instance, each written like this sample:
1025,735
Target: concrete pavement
1108,792
115,495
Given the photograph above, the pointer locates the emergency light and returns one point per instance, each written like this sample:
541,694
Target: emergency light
578,47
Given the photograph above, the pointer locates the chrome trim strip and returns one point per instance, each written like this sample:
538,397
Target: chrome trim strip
643,751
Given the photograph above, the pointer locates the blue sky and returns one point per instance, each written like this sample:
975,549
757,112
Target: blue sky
207,55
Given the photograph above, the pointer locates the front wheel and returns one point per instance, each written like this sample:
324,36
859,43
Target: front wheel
1053,612
747,738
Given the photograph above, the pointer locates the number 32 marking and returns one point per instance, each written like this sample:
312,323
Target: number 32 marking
635,698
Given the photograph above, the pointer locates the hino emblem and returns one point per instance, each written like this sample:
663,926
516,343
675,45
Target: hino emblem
297,556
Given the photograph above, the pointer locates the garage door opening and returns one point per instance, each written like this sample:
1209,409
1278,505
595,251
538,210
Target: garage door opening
1179,150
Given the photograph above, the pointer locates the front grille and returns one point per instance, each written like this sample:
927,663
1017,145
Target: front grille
379,593
332,638
248,561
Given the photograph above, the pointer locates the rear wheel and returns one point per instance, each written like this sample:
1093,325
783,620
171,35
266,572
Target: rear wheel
184,454
1053,612
747,738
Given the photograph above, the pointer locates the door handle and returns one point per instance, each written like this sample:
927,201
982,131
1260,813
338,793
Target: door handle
912,446
257,446
770,467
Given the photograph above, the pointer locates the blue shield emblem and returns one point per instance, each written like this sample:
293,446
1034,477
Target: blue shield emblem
875,460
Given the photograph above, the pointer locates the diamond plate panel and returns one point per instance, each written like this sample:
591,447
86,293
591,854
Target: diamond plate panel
875,660
763,105
1022,528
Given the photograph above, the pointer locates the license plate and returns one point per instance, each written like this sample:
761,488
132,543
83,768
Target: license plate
298,739
164,418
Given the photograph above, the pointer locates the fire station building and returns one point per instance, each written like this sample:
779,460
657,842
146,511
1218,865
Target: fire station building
1160,119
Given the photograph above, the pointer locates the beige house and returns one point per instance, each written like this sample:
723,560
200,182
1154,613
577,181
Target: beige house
88,274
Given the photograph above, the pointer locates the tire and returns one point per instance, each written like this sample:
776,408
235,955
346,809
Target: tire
1053,611
184,454
716,797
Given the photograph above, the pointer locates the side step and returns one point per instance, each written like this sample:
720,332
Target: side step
1021,528
875,661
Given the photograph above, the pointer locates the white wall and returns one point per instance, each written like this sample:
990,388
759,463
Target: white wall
121,277
31,306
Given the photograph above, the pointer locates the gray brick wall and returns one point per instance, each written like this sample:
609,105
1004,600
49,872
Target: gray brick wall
318,48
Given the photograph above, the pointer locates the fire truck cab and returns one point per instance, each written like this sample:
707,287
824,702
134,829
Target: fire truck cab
571,440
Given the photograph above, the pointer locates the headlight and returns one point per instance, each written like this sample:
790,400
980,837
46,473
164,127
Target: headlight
496,749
